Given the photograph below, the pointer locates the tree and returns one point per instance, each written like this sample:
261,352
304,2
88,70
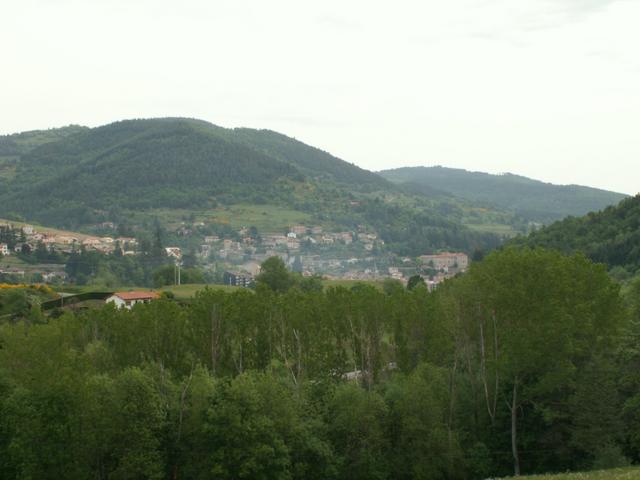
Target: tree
424,445
414,281
529,318
255,429
356,428
274,275
391,286
137,415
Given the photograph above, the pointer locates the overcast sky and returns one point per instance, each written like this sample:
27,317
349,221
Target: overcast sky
544,88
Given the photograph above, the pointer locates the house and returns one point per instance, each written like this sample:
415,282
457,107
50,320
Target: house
66,239
12,271
252,267
238,279
205,250
298,229
4,249
280,239
173,252
346,237
127,240
50,277
87,242
129,299
293,244
444,261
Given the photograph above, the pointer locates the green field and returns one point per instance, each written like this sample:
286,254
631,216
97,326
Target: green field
631,473
12,261
183,292
266,218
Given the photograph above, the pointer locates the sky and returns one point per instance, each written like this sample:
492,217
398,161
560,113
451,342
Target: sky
549,89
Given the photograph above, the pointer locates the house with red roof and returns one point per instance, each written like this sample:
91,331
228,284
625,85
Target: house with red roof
129,299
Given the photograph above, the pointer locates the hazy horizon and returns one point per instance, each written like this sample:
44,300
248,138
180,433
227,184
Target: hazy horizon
545,89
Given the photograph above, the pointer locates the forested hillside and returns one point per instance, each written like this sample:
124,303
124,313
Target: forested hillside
611,236
534,200
12,147
528,363
140,164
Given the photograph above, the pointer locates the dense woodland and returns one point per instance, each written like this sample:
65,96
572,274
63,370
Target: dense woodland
173,163
611,236
530,362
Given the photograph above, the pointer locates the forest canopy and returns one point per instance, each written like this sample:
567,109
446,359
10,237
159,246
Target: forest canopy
527,363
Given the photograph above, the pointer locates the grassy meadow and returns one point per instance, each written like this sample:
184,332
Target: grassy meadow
629,473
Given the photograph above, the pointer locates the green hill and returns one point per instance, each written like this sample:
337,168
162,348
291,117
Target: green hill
179,163
137,170
12,147
611,236
531,199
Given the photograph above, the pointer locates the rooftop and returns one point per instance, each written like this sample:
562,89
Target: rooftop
137,295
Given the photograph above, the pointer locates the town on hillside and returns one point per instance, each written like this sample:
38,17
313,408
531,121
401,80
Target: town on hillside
226,255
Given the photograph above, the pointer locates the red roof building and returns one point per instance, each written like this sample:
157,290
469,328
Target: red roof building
129,299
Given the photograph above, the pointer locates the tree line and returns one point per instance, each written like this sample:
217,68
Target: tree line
528,363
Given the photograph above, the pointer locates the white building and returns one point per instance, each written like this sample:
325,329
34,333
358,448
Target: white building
446,260
173,252
4,249
129,299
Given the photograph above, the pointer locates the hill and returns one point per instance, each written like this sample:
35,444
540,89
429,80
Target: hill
136,170
533,200
611,236
12,147
177,163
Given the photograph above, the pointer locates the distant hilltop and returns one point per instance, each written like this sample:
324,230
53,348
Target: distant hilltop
532,199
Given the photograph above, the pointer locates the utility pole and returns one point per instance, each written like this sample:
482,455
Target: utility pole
176,273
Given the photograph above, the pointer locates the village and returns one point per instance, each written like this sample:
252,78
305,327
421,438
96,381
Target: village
234,257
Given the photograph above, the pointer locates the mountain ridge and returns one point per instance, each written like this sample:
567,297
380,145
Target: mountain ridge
535,200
